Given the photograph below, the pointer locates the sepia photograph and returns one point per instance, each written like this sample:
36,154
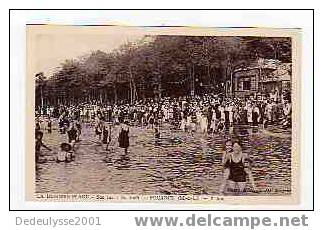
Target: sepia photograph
162,114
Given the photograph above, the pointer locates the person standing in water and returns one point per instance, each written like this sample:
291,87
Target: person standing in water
225,157
39,144
105,135
98,128
204,124
106,138
236,169
49,124
124,139
72,135
79,130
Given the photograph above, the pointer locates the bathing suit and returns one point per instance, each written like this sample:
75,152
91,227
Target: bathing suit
237,172
72,134
105,136
124,139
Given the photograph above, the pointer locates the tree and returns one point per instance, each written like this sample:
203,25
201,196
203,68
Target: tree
157,66
40,83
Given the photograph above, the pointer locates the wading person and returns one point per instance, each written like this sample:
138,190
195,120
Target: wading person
98,128
220,126
204,124
225,157
230,110
62,123
151,120
124,139
65,154
255,115
157,137
49,125
183,124
269,112
79,130
287,114
249,110
37,126
39,144
236,170
106,136
157,134
72,135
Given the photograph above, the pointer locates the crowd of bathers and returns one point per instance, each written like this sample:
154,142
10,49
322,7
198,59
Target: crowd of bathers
207,113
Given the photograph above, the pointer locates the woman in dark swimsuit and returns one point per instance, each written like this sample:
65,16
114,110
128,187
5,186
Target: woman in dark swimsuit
235,164
124,139
72,135
237,169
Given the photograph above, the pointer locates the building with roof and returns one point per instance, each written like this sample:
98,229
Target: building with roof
265,78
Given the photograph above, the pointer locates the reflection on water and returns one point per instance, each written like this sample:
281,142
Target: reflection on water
177,163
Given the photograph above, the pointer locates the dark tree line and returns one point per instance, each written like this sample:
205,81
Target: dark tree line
156,66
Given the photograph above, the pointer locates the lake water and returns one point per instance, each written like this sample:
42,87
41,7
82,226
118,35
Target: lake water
178,163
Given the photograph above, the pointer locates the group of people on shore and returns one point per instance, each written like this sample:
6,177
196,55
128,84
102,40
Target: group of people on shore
207,113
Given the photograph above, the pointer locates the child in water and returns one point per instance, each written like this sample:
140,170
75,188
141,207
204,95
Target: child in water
65,154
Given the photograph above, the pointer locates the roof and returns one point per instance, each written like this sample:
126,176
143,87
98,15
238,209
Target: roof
280,71
273,64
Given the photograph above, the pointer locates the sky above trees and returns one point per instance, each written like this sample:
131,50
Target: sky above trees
53,49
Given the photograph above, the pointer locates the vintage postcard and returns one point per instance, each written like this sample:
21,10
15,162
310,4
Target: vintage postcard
163,114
